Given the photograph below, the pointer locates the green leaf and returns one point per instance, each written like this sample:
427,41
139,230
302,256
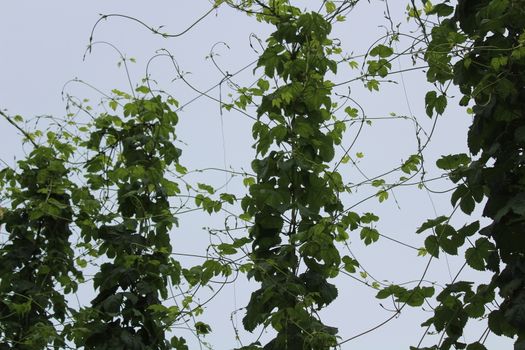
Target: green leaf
350,264
432,223
430,100
178,343
432,246
353,64
382,51
369,235
113,104
81,262
368,218
372,84
382,196
477,255
442,10
428,7
180,169
264,85
330,7
202,328
433,102
206,188
440,104
416,297
476,346
20,308
279,133
142,89
453,161
248,181
411,164
467,204
393,289
499,325
469,230
226,249
378,182
112,304
229,198
352,112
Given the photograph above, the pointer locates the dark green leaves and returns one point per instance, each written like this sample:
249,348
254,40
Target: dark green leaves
487,79
499,325
432,223
178,343
413,297
432,246
202,328
445,236
295,201
477,255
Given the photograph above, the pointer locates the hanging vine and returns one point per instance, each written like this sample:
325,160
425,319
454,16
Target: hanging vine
294,201
481,49
130,159
118,197
37,266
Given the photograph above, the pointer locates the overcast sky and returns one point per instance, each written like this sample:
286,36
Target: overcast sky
42,45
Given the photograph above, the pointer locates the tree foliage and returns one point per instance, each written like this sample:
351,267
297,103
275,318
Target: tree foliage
123,195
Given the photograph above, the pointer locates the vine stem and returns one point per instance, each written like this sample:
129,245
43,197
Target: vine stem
25,133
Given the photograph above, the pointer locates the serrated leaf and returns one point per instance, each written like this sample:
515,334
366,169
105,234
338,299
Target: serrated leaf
432,246
202,328
369,235
476,256
467,204
264,85
432,223
430,101
350,264
440,104
382,51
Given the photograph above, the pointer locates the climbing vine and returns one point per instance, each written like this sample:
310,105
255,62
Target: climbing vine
294,200
96,201
130,158
37,263
479,46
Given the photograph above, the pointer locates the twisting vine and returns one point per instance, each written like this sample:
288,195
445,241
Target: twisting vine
130,156
294,200
123,195
480,47
37,263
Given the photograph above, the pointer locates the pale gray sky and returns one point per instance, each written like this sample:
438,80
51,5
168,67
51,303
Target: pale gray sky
41,48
